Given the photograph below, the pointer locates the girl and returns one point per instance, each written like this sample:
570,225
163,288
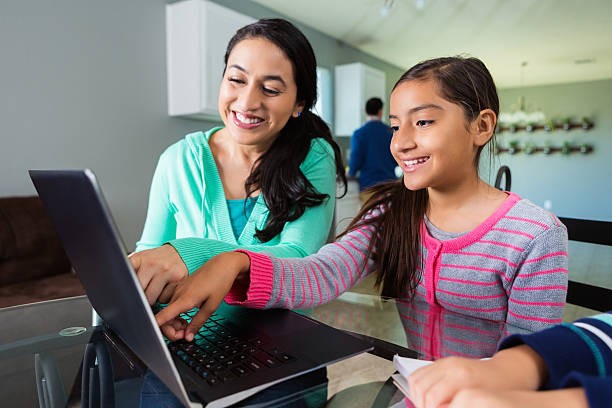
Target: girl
265,180
441,233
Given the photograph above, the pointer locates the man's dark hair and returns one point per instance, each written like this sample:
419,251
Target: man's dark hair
373,106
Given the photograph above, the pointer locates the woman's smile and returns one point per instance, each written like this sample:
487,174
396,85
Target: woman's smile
246,121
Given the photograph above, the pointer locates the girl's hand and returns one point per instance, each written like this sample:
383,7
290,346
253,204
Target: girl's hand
158,269
517,368
479,398
205,289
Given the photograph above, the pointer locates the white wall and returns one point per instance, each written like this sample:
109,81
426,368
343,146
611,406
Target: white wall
83,84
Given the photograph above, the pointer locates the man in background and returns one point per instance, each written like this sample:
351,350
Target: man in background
370,154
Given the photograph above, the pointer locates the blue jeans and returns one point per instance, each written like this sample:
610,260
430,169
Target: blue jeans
155,393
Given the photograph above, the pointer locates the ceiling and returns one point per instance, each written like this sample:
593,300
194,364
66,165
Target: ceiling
561,40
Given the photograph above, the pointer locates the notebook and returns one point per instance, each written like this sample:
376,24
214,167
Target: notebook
265,346
406,366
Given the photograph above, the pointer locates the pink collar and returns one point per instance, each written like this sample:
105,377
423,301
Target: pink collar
474,235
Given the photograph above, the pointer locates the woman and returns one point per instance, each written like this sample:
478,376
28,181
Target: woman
264,181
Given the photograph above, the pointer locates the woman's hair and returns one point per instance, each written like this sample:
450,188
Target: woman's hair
286,191
396,212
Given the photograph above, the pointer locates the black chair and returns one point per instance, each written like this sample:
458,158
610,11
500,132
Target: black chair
593,232
503,171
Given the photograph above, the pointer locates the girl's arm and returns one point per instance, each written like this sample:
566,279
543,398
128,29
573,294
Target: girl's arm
261,280
304,282
537,297
299,238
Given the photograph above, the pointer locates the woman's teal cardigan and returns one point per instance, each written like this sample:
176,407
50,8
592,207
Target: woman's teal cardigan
187,206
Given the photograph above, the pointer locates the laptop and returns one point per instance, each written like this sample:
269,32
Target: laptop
264,347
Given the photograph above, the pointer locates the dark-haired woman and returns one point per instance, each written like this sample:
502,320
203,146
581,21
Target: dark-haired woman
264,181
441,233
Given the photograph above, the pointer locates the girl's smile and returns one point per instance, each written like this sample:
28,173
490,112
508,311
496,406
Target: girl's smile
411,165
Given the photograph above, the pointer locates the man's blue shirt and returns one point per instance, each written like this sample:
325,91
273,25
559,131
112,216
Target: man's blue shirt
370,154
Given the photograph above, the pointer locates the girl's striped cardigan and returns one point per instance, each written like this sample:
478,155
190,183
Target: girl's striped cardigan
512,267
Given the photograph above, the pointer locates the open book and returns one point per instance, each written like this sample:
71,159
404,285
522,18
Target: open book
405,366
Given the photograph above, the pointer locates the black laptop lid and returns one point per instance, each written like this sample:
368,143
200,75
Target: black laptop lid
92,242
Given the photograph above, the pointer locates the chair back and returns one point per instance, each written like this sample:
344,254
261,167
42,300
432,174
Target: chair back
503,171
593,232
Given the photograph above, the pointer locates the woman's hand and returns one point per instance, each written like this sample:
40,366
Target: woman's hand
205,289
158,271
517,368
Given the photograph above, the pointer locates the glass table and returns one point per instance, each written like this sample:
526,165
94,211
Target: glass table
42,349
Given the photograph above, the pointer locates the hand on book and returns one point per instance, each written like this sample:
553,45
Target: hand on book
440,383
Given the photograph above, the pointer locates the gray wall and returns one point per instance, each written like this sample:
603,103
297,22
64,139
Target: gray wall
83,84
577,185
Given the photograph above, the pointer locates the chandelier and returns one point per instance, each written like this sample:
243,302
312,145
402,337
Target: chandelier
521,114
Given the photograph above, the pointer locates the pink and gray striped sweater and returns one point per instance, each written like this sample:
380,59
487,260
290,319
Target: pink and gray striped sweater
513,268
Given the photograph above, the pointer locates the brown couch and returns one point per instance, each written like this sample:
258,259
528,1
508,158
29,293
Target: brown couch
33,264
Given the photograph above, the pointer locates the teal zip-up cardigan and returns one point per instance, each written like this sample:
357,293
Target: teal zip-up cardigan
188,209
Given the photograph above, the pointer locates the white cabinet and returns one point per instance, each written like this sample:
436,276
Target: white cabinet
323,106
197,33
354,85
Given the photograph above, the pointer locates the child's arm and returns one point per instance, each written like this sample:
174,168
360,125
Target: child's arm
537,295
564,356
518,368
480,398
295,283
259,280
578,354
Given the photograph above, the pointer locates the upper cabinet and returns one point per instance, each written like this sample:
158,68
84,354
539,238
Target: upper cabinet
354,85
323,106
197,33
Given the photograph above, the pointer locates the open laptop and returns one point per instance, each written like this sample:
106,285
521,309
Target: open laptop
264,346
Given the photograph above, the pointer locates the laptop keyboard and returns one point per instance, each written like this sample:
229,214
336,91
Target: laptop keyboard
221,353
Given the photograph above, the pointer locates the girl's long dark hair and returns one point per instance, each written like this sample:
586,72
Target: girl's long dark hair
286,191
399,212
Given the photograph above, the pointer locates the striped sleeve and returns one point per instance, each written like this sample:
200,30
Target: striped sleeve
299,283
578,354
537,295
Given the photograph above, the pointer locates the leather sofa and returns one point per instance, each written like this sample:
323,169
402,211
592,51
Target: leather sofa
33,264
